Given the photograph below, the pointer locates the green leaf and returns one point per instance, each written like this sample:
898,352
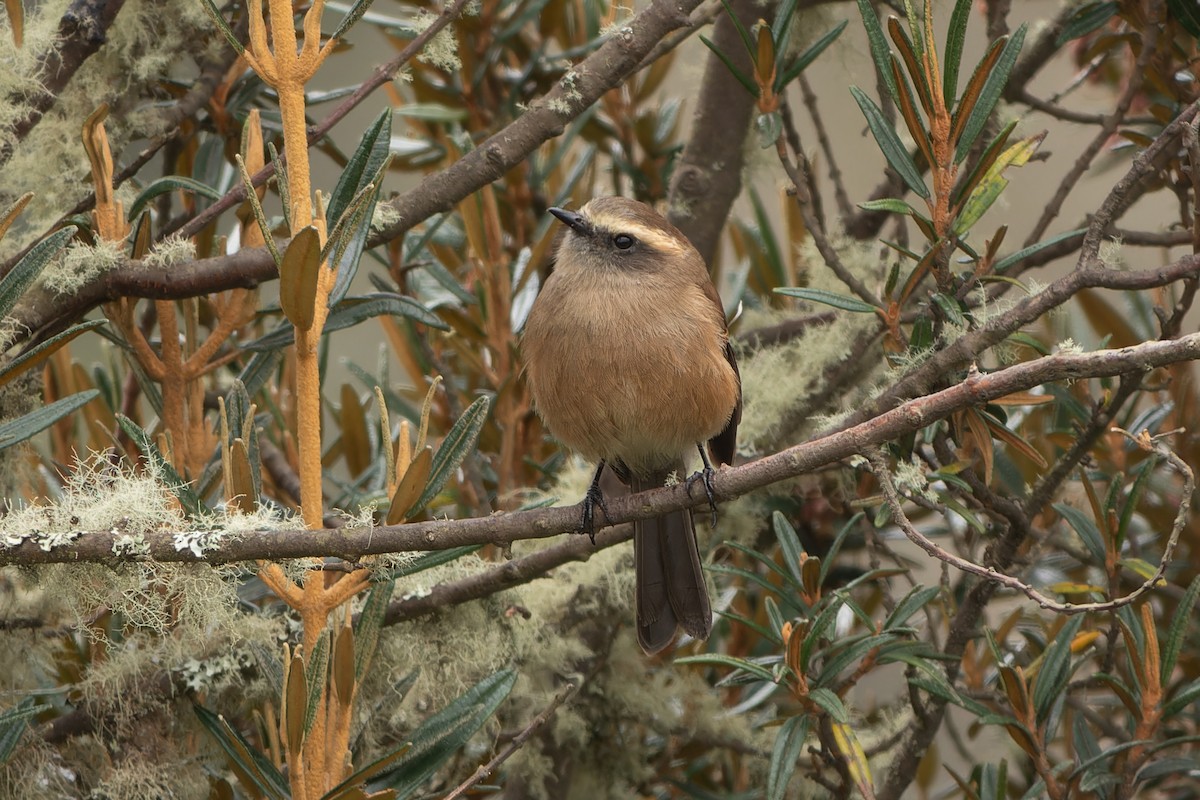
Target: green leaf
1178,630
169,183
956,35
13,723
434,558
31,358
369,623
350,312
441,736
738,664
1085,526
985,162
747,39
831,704
892,204
1092,16
1009,260
880,52
26,271
789,543
248,763
352,16
789,741
911,603
36,421
281,185
830,557
458,444
807,57
223,26
990,94
363,170
993,182
844,302
260,217
1184,698
750,85
193,506
893,149
1051,683
316,671
772,253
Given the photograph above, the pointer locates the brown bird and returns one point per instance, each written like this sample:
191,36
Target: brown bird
628,358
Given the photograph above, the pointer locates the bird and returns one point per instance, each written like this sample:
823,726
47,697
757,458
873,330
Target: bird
629,363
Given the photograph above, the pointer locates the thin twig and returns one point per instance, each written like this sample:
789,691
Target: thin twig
879,467
517,742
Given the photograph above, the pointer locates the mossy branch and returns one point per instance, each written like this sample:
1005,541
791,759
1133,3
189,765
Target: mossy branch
906,418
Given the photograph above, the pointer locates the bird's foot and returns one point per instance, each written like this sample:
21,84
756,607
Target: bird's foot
593,498
704,476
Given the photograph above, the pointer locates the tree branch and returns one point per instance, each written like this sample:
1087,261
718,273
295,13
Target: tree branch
499,529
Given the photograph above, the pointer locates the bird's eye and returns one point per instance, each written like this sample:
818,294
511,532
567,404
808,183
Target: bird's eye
623,241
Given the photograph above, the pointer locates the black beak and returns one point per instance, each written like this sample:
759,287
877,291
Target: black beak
573,220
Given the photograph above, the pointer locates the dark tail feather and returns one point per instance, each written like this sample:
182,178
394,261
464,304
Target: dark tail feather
670,583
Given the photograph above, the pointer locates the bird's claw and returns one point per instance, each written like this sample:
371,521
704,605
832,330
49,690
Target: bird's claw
704,476
593,498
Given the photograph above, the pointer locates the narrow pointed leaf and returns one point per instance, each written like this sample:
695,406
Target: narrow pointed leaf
956,35
13,211
364,169
223,26
443,734
809,55
31,358
789,741
844,302
169,183
316,676
989,95
26,271
458,444
893,150
992,184
1024,253
912,120
880,52
368,625
352,16
251,766
911,63
967,186
742,78
13,724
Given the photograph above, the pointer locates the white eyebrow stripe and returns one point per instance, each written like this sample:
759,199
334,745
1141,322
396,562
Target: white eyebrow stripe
651,236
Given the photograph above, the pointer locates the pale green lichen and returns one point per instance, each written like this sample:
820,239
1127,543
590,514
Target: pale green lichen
1068,347
144,43
910,479
1112,254
442,49
170,251
80,264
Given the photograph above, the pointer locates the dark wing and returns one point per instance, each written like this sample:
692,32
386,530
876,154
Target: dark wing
724,444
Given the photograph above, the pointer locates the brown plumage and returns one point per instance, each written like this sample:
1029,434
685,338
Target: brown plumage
628,358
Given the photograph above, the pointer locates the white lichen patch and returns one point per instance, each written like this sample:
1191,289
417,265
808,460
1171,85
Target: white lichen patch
442,49
80,264
1068,347
170,251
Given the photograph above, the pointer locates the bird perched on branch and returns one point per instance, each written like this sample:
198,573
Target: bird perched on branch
628,358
